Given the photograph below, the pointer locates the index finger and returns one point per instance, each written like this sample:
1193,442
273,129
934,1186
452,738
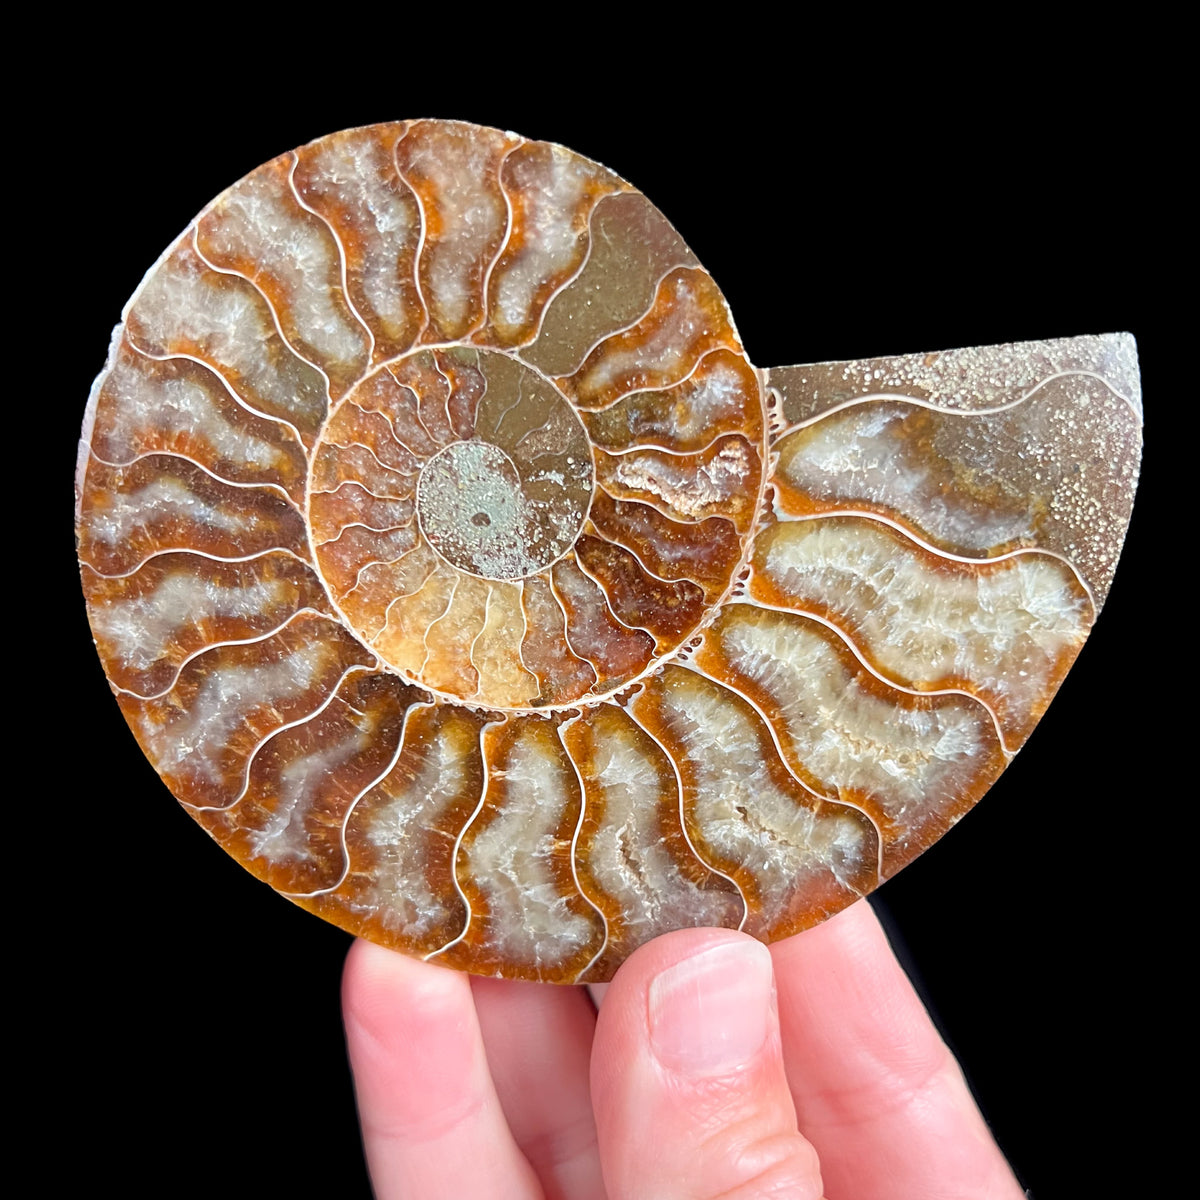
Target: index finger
432,1123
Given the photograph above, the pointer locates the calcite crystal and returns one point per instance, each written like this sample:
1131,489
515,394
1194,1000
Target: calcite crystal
461,575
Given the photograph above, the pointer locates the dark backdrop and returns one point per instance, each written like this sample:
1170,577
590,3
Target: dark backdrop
201,1009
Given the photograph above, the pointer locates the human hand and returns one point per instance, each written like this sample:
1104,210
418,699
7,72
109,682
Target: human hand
716,1067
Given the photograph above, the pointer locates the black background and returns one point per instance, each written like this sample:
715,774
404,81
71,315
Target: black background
199,1010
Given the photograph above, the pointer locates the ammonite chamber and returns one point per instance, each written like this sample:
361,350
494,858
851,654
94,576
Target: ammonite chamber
461,575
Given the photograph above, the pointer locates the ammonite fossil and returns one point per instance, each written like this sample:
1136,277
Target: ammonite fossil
462,576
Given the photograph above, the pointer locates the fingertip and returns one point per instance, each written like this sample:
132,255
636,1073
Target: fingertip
432,1124
710,1013
688,1082
408,1020
623,1018
368,976
375,980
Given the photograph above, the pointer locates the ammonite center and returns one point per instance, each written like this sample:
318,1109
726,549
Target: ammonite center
474,513
446,475
508,504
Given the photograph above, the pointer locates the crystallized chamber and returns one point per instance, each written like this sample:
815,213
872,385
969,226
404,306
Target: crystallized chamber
461,575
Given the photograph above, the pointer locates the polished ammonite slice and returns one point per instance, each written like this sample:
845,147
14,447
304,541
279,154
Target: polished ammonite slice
460,574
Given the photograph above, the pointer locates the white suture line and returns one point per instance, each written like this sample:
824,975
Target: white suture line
270,308
633,324
419,249
234,483
629,709
437,366
416,415
648,391
441,617
199,554
202,650
362,525
583,802
458,841
499,421
213,370
785,758
405,475
654,447
595,532
387,616
875,672
571,278
608,605
547,577
487,605
891,523
420,457
486,280
384,562
648,498
551,453
341,253
354,805
358,483
591,662
933,406
316,712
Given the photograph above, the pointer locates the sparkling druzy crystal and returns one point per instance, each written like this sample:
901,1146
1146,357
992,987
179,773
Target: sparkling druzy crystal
460,574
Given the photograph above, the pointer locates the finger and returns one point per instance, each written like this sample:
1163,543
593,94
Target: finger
688,1084
539,1045
432,1125
876,1089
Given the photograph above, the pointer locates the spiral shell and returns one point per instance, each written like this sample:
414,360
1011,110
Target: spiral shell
461,575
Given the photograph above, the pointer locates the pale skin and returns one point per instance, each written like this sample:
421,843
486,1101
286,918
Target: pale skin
715,1068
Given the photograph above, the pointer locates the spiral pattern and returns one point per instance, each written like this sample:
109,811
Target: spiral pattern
460,574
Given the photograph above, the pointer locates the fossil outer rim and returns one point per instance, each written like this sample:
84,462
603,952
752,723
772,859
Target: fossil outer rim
875,645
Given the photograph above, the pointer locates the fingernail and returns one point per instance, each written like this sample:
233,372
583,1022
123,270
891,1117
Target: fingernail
709,1014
